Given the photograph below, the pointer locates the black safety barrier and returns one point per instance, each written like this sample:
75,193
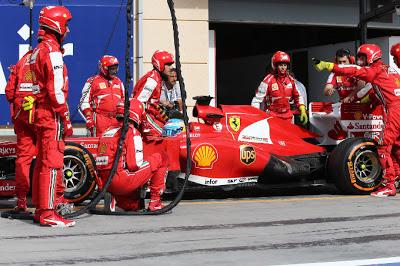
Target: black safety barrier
178,198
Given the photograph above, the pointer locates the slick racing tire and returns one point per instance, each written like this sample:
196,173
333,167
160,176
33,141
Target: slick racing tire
78,173
354,166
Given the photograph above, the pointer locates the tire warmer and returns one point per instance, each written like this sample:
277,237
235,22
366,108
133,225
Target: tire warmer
91,207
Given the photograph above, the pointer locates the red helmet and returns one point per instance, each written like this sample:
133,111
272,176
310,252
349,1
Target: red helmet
279,57
160,59
395,50
105,62
371,51
55,18
136,111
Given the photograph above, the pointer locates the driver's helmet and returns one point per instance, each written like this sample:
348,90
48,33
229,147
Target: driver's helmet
173,127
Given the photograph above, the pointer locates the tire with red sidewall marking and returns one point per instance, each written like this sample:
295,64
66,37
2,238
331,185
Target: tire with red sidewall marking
78,173
354,166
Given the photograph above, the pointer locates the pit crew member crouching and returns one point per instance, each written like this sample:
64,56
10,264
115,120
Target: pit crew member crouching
132,172
278,89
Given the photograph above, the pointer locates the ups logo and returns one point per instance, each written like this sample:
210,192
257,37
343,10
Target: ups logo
247,154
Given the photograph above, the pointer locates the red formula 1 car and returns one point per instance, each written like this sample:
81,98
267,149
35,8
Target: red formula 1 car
238,145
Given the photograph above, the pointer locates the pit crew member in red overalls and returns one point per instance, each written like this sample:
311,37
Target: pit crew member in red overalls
132,172
385,81
345,86
19,94
51,116
349,89
100,96
148,90
278,89
395,52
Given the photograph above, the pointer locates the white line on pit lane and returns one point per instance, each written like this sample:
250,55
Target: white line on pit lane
381,261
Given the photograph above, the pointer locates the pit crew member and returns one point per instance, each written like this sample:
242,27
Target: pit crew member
171,93
278,89
148,91
19,94
385,82
132,172
345,86
51,115
100,96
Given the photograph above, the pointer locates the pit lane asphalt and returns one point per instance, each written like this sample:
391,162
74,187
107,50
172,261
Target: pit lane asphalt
315,225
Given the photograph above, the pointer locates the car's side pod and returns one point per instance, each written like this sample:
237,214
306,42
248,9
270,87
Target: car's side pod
284,167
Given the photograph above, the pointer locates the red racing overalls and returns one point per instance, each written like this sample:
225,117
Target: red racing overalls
132,172
19,85
386,85
51,114
148,91
275,93
100,97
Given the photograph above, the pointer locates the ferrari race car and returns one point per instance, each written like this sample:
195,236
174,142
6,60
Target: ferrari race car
239,145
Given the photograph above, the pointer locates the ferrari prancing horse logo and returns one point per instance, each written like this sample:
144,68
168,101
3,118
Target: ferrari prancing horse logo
234,123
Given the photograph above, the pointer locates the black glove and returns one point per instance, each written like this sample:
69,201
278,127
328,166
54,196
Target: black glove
315,60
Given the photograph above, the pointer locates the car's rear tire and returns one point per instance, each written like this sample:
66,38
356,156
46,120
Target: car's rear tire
78,173
354,166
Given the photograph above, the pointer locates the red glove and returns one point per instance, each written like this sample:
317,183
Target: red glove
67,126
89,120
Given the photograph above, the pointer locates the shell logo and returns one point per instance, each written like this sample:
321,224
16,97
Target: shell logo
357,115
204,156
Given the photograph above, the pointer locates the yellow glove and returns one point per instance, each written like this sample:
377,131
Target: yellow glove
321,65
27,105
30,118
365,99
303,115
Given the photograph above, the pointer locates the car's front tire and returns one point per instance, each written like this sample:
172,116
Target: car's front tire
78,173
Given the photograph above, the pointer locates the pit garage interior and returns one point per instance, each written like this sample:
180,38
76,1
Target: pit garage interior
247,33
